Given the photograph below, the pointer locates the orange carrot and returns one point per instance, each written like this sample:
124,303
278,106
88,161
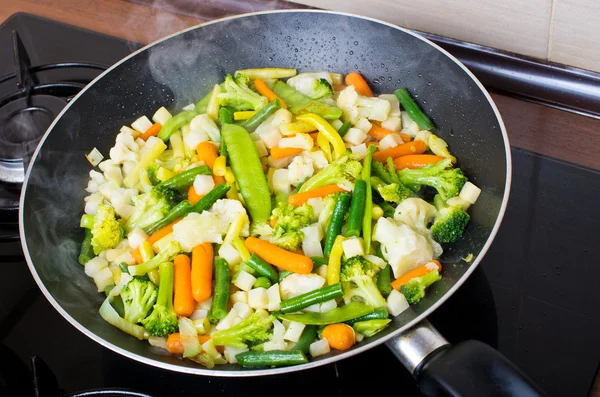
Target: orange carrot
175,345
202,264
137,255
338,87
339,336
152,131
378,132
405,138
279,257
265,91
359,83
183,301
416,160
283,152
414,147
418,272
218,179
193,197
207,153
301,198
162,232
314,136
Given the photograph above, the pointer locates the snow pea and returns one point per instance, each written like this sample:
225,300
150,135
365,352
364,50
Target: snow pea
337,315
175,123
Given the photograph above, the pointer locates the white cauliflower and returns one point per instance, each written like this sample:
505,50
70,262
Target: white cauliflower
92,202
96,179
200,228
418,214
300,140
297,284
356,106
300,169
227,209
268,130
204,123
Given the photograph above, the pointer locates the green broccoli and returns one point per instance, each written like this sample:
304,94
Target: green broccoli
358,281
254,329
342,171
152,170
290,219
414,290
392,192
237,95
441,176
151,207
107,232
166,255
313,85
139,295
163,319
449,222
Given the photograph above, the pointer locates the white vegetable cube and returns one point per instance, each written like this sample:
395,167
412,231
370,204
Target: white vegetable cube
394,103
457,200
359,149
92,202
358,337
311,243
244,281
230,254
258,298
103,279
274,298
313,231
142,124
337,124
300,141
274,345
363,124
281,182
353,247
319,159
94,265
396,303
193,138
199,314
469,193
392,123
227,321
300,169
204,123
424,136
293,332
390,141
210,349
162,115
317,204
204,305
354,136
203,184
244,311
127,258
239,296
319,348
409,126
322,271
270,135
279,163
278,330
230,352
261,149
373,108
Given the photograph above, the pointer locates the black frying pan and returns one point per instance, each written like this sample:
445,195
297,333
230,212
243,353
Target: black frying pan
180,70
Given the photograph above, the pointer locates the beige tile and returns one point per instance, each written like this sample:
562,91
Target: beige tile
575,37
520,26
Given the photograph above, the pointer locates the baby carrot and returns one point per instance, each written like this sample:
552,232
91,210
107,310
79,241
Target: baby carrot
265,91
193,197
162,232
301,198
416,160
359,83
152,131
183,301
380,133
414,147
202,264
207,153
175,345
137,255
282,152
279,257
418,272
340,336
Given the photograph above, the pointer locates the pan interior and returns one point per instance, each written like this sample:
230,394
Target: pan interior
181,70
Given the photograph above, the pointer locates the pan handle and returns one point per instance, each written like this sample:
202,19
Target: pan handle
467,369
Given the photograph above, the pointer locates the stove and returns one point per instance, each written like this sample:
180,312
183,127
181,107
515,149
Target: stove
532,297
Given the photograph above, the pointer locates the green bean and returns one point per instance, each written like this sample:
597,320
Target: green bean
368,215
384,279
87,252
175,123
209,198
338,315
261,115
357,209
180,210
344,128
273,358
263,268
336,222
307,337
225,116
283,274
123,267
413,110
377,314
218,309
318,261
185,179
262,282
318,295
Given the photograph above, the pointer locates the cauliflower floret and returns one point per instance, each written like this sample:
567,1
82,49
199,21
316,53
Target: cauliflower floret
96,179
300,140
268,130
204,123
418,214
356,106
300,169
121,200
318,158
112,171
120,153
107,188
200,228
126,138
92,202
298,284
227,210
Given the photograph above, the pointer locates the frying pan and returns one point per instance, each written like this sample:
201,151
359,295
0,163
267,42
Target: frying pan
179,70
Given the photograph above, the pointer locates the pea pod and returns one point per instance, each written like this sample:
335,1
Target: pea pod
248,171
338,315
370,327
273,358
384,279
337,221
377,314
263,268
175,123
413,110
318,295
264,113
218,309
185,179
368,215
357,209
180,210
307,337
225,116
87,252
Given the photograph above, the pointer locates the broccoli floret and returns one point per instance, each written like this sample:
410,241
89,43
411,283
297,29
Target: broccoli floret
313,85
358,281
321,89
152,170
163,319
107,232
254,329
447,181
238,96
414,290
392,192
139,295
151,207
342,171
327,211
290,219
449,222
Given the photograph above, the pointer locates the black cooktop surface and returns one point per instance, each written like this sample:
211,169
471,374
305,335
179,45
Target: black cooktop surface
532,297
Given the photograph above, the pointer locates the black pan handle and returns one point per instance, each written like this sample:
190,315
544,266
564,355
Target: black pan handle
467,369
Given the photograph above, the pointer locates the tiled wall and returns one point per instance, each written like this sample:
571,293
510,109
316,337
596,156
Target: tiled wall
565,31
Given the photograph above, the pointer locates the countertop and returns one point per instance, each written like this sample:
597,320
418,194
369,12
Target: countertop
565,136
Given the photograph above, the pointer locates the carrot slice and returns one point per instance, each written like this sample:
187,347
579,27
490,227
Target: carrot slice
359,83
283,152
414,147
301,198
265,91
137,255
416,160
418,272
193,197
207,153
279,257
162,232
183,301
152,131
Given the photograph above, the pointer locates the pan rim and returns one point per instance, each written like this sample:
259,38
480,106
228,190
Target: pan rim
312,363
